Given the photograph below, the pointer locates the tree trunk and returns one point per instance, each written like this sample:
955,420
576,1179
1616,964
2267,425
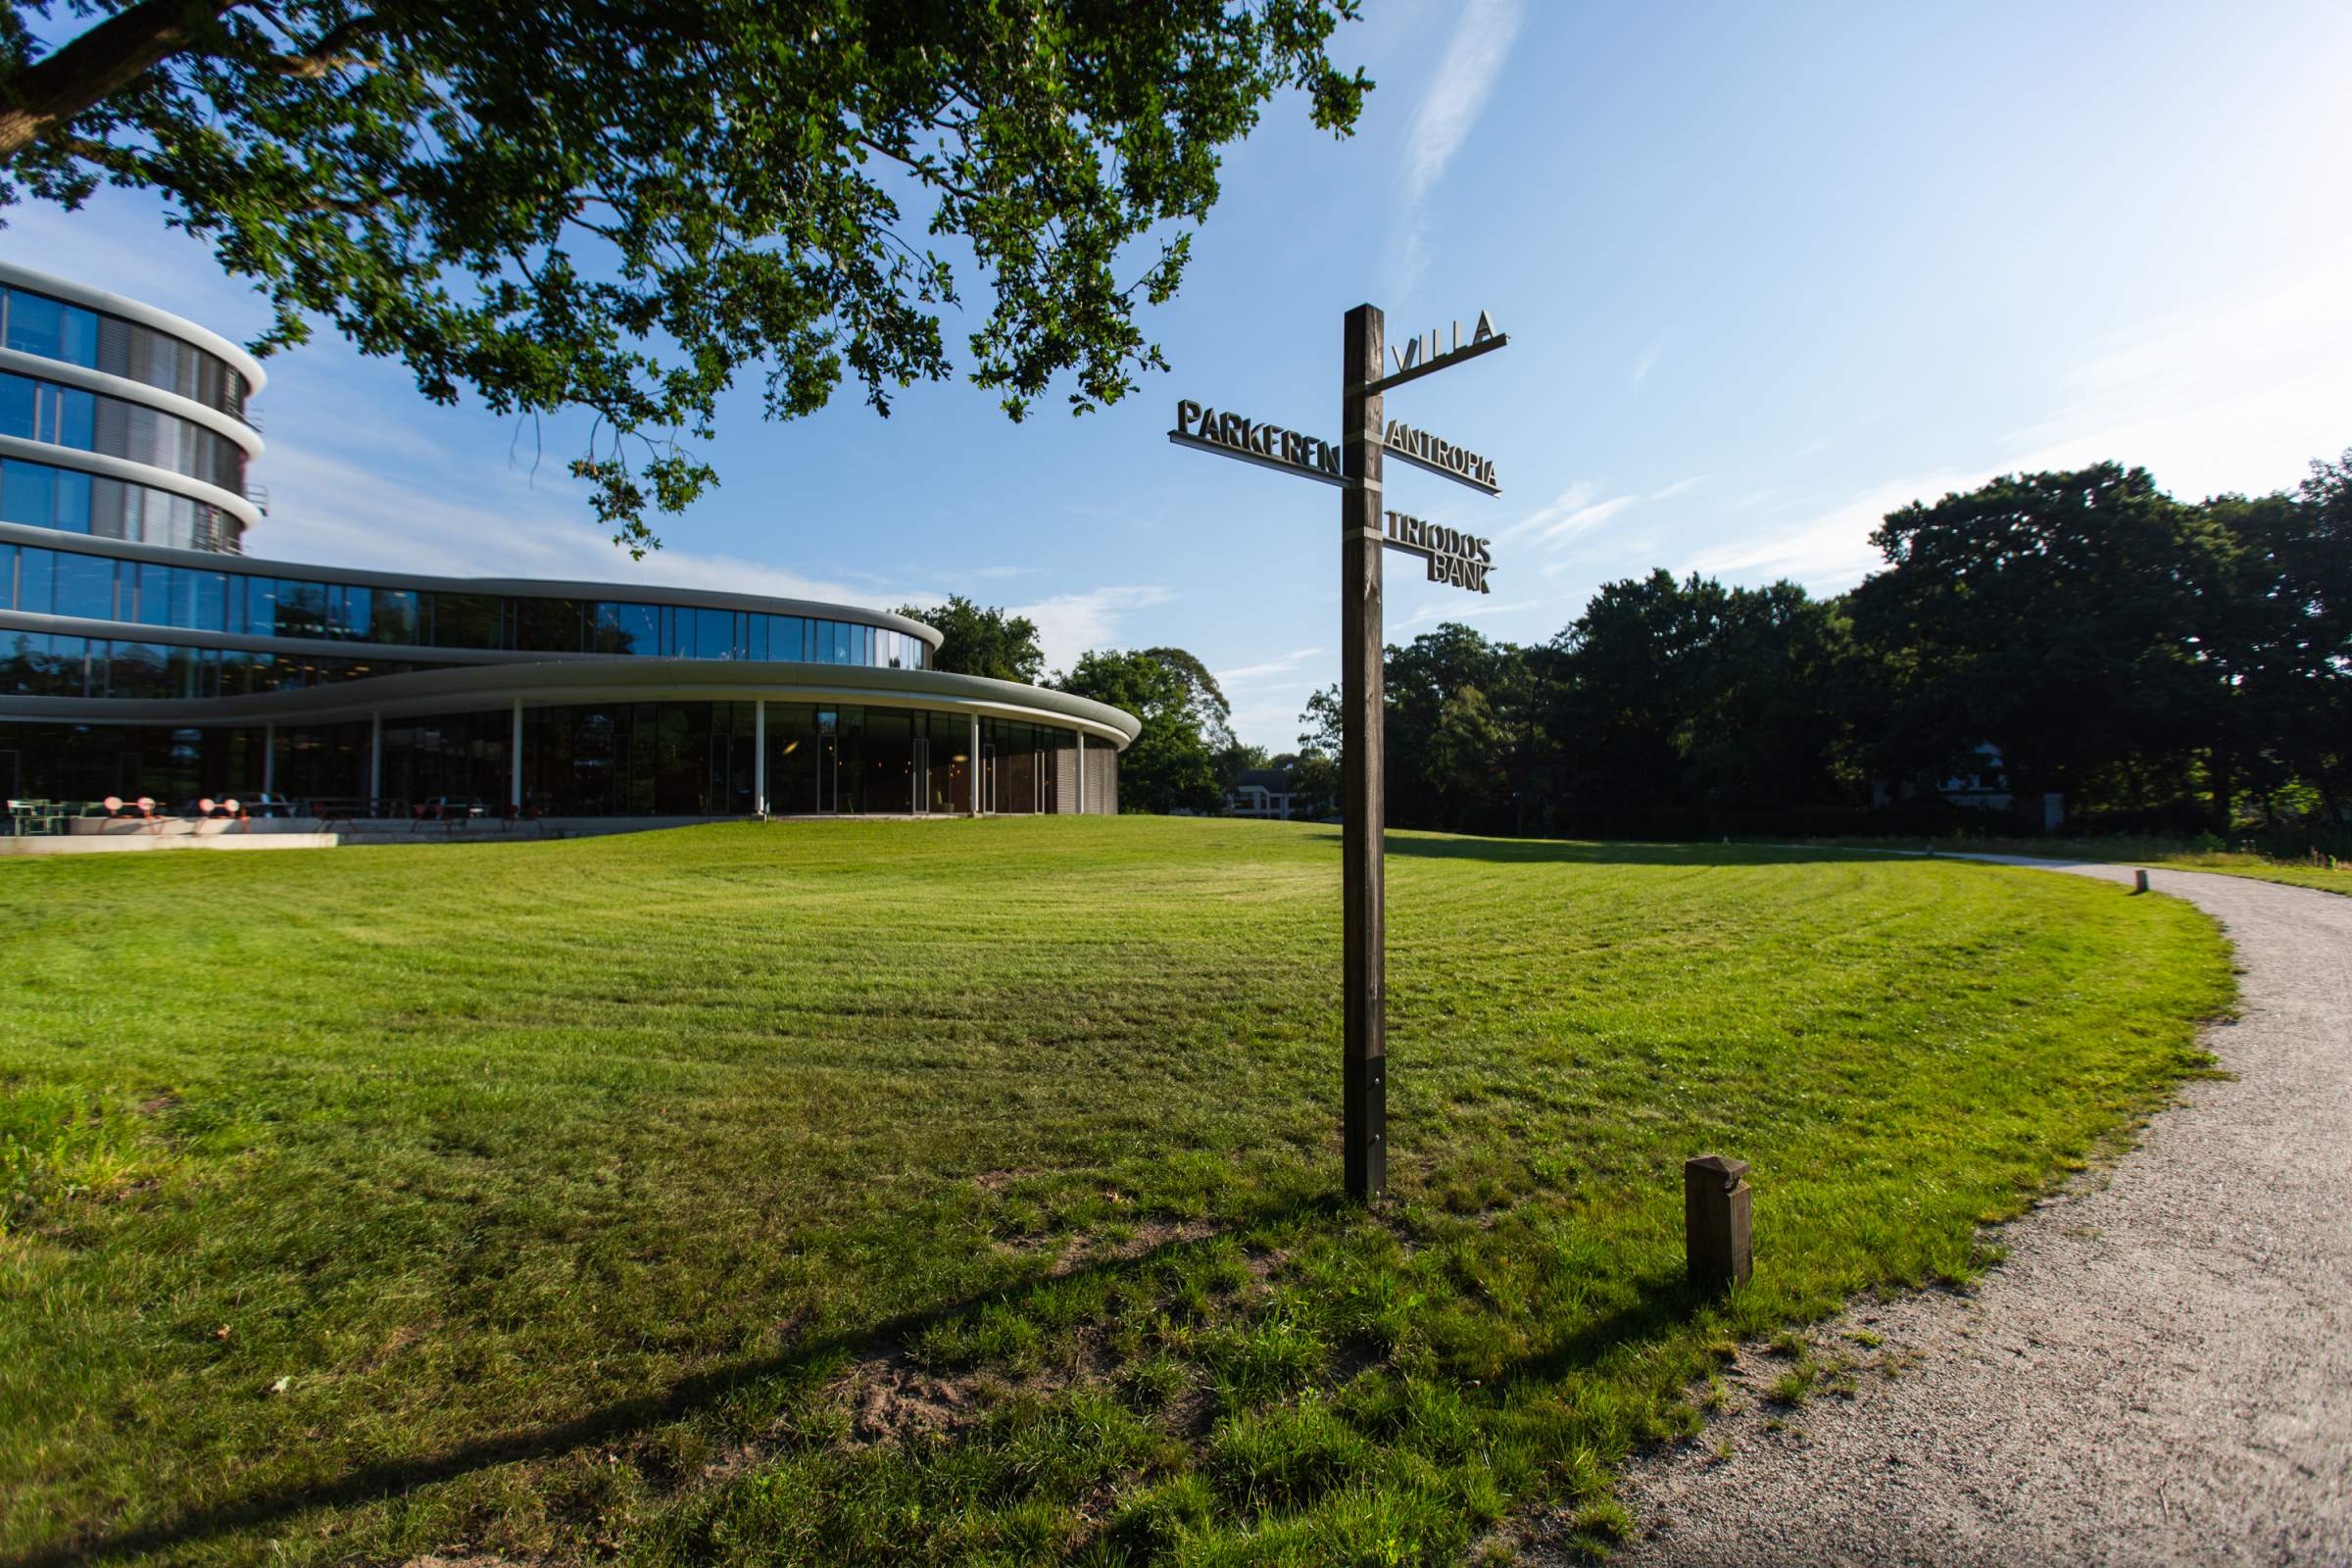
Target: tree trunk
2219,777
46,95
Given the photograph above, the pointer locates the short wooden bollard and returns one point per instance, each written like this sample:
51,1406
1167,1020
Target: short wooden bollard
2139,880
1715,1221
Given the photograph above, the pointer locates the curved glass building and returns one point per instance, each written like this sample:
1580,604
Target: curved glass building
143,654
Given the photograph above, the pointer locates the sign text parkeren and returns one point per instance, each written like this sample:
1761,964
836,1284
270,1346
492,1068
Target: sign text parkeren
1251,438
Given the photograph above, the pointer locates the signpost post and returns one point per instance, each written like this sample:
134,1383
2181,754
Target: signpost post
1364,806
1454,558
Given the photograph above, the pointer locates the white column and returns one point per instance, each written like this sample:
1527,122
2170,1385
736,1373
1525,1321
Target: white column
975,768
269,759
375,759
514,760
1082,772
759,757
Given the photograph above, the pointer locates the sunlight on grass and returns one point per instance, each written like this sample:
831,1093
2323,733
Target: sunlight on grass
955,1191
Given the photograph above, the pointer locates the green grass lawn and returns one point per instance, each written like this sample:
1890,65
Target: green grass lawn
2171,853
965,1191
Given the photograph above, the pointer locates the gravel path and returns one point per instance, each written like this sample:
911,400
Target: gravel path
2161,1372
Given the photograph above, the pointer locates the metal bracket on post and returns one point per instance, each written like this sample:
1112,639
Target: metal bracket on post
1715,1221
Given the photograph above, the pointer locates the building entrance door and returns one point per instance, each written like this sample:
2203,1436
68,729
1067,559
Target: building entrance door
918,770
988,778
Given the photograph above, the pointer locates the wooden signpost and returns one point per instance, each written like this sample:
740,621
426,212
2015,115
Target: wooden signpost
1366,528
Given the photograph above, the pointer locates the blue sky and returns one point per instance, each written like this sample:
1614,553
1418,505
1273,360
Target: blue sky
1768,273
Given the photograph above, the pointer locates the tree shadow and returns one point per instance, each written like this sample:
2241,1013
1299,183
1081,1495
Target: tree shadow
1579,852
1662,1304
393,1479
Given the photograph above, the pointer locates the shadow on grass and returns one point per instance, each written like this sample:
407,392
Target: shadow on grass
1660,1306
1577,852
393,1479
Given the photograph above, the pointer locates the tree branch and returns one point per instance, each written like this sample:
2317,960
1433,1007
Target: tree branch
331,52
47,94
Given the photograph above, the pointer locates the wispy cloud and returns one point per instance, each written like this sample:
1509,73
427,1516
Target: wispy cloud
1576,497
1451,608
1450,107
331,511
2237,395
1583,519
110,246
1458,94
1273,724
1649,358
1831,551
1253,674
1679,487
1068,624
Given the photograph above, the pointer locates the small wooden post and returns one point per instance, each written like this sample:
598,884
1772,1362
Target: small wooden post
2139,880
1715,1221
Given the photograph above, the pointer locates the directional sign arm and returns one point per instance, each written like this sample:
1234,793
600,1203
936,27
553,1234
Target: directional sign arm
1219,449
1443,361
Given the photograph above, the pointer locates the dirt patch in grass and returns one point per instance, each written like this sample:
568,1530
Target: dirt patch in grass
893,1400
1085,1249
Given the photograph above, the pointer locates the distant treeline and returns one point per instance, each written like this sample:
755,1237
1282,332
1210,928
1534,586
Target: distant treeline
2163,666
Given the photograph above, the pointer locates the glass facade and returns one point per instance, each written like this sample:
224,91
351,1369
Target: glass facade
92,422
90,761
49,664
639,760
65,582
655,759
127,630
41,495
35,323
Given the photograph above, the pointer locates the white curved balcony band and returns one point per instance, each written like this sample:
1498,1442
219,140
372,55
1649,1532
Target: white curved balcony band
65,373
98,299
83,461
490,688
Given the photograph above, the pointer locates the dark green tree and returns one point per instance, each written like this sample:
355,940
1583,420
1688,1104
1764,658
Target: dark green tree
1205,699
1314,786
1466,743
1170,765
1236,758
1452,730
2057,616
1690,694
2283,636
982,642
622,206
2317,576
